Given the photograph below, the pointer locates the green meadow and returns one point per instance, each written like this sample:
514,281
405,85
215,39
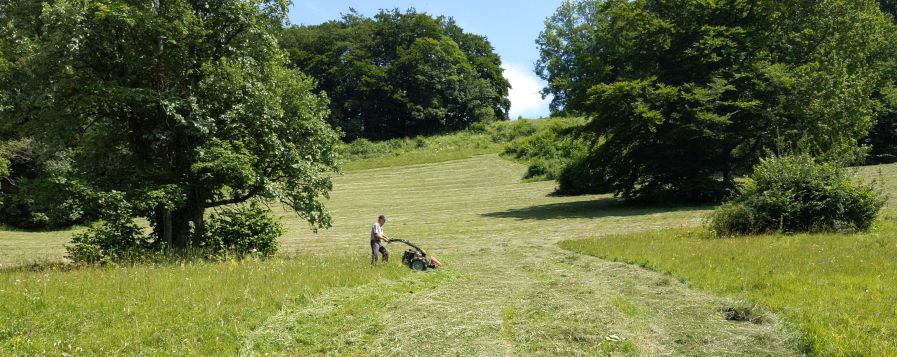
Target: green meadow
507,287
838,289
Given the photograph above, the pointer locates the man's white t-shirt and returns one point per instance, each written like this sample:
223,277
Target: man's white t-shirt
375,230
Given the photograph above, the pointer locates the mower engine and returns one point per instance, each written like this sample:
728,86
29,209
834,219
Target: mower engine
416,258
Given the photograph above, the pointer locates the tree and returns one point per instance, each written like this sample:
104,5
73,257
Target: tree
181,105
400,73
882,140
685,95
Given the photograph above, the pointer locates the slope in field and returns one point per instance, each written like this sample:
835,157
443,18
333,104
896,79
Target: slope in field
508,289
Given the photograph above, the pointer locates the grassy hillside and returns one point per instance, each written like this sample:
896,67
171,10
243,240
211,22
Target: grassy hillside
839,288
507,288
18,247
481,139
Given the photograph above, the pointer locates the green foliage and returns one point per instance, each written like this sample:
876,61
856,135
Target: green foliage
40,192
181,105
4,169
882,139
400,74
683,96
549,150
117,239
4,160
798,194
579,177
243,230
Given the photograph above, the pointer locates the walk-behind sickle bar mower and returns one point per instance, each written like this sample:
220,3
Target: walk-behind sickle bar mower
417,258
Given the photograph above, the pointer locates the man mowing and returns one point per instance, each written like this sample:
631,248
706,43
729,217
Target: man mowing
377,241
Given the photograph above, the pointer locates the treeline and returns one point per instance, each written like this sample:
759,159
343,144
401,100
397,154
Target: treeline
111,110
400,74
682,97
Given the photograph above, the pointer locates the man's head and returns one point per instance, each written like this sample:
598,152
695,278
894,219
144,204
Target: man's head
381,219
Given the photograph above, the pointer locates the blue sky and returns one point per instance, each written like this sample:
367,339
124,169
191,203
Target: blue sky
511,26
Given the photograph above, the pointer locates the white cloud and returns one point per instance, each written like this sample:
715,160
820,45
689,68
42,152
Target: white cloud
525,98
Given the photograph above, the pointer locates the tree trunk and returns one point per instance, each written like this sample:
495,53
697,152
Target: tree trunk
184,226
164,227
199,224
180,229
196,209
167,231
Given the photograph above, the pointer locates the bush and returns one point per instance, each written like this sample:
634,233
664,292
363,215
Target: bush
110,242
798,194
733,218
550,149
579,178
505,132
241,231
114,240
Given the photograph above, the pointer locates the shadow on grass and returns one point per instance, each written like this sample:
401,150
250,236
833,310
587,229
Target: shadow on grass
599,208
6,228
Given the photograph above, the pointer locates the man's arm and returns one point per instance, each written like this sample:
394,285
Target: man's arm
382,237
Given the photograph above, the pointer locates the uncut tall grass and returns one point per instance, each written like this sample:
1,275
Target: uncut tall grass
839,289
189,309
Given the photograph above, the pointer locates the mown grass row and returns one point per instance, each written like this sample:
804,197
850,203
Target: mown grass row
839,289
190,309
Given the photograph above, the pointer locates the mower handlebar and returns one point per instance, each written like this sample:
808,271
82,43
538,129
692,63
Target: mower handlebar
406,242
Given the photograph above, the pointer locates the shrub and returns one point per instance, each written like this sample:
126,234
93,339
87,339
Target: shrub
733,218
579,178
798,194
109,242
116,239
241,231
550,149
505,132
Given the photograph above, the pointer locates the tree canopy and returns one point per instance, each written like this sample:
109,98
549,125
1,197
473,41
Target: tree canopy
882,140
172,107
400,73
685,94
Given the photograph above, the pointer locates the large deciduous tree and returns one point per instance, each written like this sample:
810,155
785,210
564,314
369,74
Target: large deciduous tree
400,73
882,140
685,94
181,105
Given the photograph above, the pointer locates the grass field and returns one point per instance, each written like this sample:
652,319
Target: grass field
481,139
19,247
840,289
507,288
193,309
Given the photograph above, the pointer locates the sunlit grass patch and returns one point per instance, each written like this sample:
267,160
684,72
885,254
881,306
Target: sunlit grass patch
480,139
839,289
198,309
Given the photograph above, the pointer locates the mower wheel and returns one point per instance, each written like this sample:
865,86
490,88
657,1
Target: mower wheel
418,265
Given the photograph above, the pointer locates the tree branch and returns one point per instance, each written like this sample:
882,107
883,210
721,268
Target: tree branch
234,200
